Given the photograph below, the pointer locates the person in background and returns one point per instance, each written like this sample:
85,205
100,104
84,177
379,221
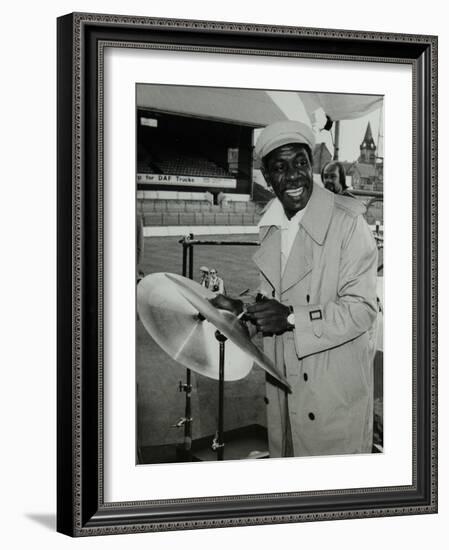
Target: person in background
222,199
208,196
333,176
216,283
204,276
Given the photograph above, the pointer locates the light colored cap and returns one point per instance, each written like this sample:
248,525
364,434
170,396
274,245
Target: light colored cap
282,133
204,268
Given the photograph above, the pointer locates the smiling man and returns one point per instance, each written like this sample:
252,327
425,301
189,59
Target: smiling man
318,264
289,170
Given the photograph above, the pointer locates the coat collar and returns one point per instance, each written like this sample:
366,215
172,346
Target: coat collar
315,222
318,215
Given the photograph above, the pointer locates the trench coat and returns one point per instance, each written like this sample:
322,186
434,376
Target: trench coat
330,281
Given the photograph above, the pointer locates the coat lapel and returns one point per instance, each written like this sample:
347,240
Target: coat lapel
299,263
315,223
268,256
318,215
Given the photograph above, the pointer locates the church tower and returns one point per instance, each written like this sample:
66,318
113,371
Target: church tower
368,148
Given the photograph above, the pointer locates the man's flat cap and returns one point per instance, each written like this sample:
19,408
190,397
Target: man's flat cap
282,133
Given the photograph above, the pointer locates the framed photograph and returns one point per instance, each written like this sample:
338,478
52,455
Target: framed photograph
247,271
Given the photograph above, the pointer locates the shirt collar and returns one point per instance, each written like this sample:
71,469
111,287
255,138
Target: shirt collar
274,215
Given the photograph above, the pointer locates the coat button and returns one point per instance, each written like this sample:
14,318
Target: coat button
311,416
266,400
305,376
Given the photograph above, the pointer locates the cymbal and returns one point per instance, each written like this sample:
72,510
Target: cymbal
230,326
168,307
174,325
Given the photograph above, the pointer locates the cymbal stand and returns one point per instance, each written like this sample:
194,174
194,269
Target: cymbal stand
188,242
187,260
218,443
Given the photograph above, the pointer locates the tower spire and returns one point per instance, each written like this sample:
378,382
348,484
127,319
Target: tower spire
368,133
368,147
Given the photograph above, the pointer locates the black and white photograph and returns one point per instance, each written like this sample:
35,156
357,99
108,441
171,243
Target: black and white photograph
259,273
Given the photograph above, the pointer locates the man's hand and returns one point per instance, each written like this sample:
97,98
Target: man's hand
269,316
229,304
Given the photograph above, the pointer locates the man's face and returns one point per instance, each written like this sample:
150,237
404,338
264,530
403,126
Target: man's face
331,179
288,170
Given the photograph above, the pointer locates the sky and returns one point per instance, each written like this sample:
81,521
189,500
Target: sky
352,133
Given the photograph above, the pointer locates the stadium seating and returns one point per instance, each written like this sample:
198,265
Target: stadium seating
167,161
163,219
172,208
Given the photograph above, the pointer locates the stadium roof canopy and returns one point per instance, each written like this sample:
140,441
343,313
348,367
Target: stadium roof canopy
341,106
254,108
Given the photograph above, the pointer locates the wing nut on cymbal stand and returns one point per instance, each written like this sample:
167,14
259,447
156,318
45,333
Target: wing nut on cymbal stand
182,422
184,387
215,445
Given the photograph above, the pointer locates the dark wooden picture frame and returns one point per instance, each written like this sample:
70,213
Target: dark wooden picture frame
81,509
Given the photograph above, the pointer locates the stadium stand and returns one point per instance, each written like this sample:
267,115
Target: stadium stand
190,212
185,165
165,160
171,208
